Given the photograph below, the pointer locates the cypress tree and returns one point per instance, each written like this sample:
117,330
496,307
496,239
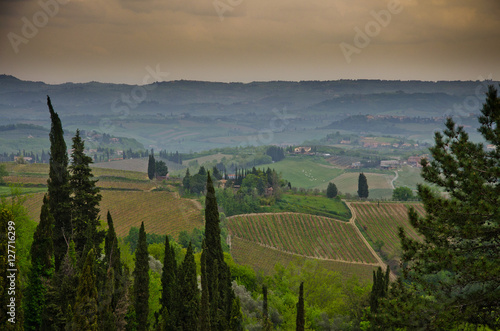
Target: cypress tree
266,323
222,301
362,186
58,188
205,300
141,281
186,181
379,289
151,166
42,254
85,198
300,310
85,311
168,299
236,322
189,296
331,190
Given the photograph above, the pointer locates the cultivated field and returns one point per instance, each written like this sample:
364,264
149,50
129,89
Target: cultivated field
264,259
380,222
303,234
348,182
162,212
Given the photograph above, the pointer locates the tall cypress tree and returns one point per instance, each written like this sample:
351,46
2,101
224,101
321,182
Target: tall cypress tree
113,290
85,312
300,310
214,253
189,295
42,254
151,166
205,300
85,198
379,289
141,281
168,299
362,186
58,188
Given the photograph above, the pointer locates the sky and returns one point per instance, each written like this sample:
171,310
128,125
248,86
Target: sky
141,41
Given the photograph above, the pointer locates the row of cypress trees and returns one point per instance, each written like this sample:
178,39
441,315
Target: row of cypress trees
73,286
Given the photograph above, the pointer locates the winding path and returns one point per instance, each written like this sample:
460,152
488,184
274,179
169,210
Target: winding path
394,179
352,222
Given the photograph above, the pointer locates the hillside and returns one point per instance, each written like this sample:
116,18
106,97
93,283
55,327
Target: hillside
261,240
161,212
379,223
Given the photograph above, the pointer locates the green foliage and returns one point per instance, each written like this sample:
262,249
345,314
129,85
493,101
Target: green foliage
85,315
141,281
85,199
151,166
402,194
188,293
58,187
168,299
362,186
195,238
276,153
331,190
3,173
161,168
42,260
133,238
218,273
300,322
380,288
461,232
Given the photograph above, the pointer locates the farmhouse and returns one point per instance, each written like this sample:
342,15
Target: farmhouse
389,164
302,150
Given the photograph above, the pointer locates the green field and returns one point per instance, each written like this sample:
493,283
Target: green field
409,176
312,204
305,172
348,183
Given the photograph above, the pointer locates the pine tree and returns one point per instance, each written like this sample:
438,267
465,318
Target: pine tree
85,315
362,186
220,303
189,296
58,188
168,299
141,281
331,190
42,260
151,167
461,247
300,324
85,198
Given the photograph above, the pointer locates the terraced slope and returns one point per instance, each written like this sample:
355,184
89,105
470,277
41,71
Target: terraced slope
302,234
380,223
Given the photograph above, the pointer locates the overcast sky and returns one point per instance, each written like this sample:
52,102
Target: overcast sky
249,40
